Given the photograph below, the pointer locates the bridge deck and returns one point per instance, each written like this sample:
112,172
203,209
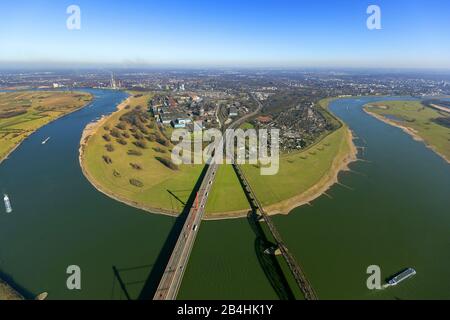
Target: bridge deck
173,275
297,272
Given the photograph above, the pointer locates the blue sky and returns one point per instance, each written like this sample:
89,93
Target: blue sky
415,33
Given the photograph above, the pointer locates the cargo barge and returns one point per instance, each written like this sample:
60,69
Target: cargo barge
408,273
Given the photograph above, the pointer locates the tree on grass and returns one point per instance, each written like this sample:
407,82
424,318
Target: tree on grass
143,130
122,142
135,117
109,147
168,163
136,166
136,183
134,153
138,136
116,133
160,150
140,144
107,159
121,125
162,141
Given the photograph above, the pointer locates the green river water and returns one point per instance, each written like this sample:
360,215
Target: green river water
391,210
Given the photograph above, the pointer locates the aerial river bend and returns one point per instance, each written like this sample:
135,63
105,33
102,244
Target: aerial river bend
391,210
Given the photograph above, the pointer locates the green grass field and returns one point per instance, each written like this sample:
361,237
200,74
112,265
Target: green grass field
247,125
226,193
22,113
168,189
299,172
421,119
162,187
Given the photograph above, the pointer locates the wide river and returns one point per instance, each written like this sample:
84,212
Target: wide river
391,210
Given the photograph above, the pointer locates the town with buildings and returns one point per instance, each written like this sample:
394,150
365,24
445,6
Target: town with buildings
183,99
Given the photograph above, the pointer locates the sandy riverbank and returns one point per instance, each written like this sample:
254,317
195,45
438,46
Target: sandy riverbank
410,131
440,108
8,293
339,164
90,130
5,157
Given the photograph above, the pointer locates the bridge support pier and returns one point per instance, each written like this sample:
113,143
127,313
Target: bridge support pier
275,251
279,248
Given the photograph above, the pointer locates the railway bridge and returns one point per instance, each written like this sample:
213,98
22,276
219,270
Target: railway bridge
173,275
281,248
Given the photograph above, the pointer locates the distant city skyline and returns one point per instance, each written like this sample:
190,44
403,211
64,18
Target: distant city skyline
277,34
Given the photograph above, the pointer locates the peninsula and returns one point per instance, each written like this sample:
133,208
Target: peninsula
24,112
127,157
423,122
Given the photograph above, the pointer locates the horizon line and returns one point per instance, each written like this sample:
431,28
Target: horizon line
9,65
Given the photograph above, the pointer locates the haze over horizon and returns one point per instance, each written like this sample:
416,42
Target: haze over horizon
276,34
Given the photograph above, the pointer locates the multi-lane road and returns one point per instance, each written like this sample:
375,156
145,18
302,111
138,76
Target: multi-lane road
173,275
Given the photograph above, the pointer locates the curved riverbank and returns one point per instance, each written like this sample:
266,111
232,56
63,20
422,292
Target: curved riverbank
60,218
88,132
6,156
339,164
410,131
395,199
8,293
346,154
52,119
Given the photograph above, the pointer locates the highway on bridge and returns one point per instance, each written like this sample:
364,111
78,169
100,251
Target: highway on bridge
173,275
